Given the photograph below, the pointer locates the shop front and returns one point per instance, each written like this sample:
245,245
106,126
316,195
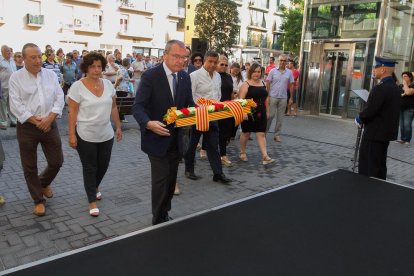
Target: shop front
339,44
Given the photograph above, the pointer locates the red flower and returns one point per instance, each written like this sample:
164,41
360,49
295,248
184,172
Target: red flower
218,107
185,111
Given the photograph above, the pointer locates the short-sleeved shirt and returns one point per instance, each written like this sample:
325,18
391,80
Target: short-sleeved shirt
93,121
279,83
55,67
123,85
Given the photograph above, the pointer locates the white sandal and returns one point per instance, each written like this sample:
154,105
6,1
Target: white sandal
98,195
94,212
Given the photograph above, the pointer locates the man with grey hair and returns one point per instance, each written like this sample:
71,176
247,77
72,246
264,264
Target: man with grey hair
161,88
278,82
7,67
36,99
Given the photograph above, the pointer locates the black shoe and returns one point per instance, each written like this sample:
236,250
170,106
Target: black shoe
192,176
13,125
221,178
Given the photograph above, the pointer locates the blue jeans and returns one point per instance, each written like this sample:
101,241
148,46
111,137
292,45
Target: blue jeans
406,120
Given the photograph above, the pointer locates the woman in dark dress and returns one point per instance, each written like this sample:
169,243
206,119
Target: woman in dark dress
254,88
226,125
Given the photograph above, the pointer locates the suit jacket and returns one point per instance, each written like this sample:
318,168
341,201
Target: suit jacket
152,101
381,115
191,68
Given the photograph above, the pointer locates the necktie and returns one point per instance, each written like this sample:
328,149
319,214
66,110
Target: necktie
174,75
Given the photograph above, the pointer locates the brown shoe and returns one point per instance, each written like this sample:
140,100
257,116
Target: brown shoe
47,192
39,209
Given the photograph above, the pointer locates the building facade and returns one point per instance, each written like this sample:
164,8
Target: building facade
259,28
142,26
340,41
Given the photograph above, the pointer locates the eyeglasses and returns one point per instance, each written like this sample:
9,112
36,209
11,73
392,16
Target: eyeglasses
223,64
284,60
184,58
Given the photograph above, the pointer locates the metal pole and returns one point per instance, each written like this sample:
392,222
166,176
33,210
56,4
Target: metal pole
357,143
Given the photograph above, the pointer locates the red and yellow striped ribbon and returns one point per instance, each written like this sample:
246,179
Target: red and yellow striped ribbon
202,121
237,111
203,101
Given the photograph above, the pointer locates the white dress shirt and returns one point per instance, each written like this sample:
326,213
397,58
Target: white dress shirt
169,73
35,95
204,86
7,67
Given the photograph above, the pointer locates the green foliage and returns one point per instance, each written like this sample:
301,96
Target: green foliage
292,26
216,21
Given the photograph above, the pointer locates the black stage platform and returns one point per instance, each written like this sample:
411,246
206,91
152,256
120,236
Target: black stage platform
339,223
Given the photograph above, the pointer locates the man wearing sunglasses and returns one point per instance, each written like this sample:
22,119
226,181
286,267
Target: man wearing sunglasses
380,120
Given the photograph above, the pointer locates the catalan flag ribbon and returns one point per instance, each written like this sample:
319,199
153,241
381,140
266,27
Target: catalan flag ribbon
237,111
202,121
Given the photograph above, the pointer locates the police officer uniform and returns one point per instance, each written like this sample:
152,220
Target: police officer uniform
380,120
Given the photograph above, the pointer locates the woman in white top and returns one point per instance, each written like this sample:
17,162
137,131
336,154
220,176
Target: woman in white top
111,69
92,102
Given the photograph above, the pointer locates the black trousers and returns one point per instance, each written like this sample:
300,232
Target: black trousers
373,158
226,129
95,159
163,178
211,140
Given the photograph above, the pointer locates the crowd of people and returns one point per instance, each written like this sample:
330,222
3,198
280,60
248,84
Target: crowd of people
37,85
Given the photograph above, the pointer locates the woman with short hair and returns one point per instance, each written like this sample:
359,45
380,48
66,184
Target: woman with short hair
92,103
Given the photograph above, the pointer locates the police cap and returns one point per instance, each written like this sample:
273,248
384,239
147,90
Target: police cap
386,62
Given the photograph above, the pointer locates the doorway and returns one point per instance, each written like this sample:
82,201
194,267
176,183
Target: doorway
336,78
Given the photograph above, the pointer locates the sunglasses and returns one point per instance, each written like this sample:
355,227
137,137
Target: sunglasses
284,60
198,59
223,64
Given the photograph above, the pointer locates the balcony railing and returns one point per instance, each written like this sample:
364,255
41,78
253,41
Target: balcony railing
145,35
35,20
84,26
94,2
136,6
178,13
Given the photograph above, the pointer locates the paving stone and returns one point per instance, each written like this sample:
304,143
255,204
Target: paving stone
310,146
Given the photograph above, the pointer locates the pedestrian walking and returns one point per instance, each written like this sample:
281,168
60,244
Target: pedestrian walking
36,99
92,102
162,87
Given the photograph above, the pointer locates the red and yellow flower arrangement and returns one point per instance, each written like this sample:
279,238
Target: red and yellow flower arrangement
209,110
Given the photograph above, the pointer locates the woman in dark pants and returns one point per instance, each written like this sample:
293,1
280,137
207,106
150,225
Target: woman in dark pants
407,108
91,105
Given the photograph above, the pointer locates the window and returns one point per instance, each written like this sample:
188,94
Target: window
123,23
257,18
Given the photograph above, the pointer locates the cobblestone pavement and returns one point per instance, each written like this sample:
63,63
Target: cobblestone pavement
310,145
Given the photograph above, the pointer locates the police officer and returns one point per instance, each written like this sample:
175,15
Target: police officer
380,120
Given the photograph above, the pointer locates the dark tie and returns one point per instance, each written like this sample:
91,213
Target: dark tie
174,75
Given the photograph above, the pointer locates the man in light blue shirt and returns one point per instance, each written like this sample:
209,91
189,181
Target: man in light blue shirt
278,83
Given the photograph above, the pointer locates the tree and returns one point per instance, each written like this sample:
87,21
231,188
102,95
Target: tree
292,26
216,21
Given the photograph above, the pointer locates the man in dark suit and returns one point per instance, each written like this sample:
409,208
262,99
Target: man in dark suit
162,87
380,120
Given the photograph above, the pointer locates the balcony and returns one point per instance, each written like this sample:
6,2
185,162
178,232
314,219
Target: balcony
178,13
257,26
139,35
92,2
136,7
36,21
256,6
83,26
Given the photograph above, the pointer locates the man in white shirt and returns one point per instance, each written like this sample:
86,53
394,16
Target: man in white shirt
206,83
7,67
139,67
36,99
